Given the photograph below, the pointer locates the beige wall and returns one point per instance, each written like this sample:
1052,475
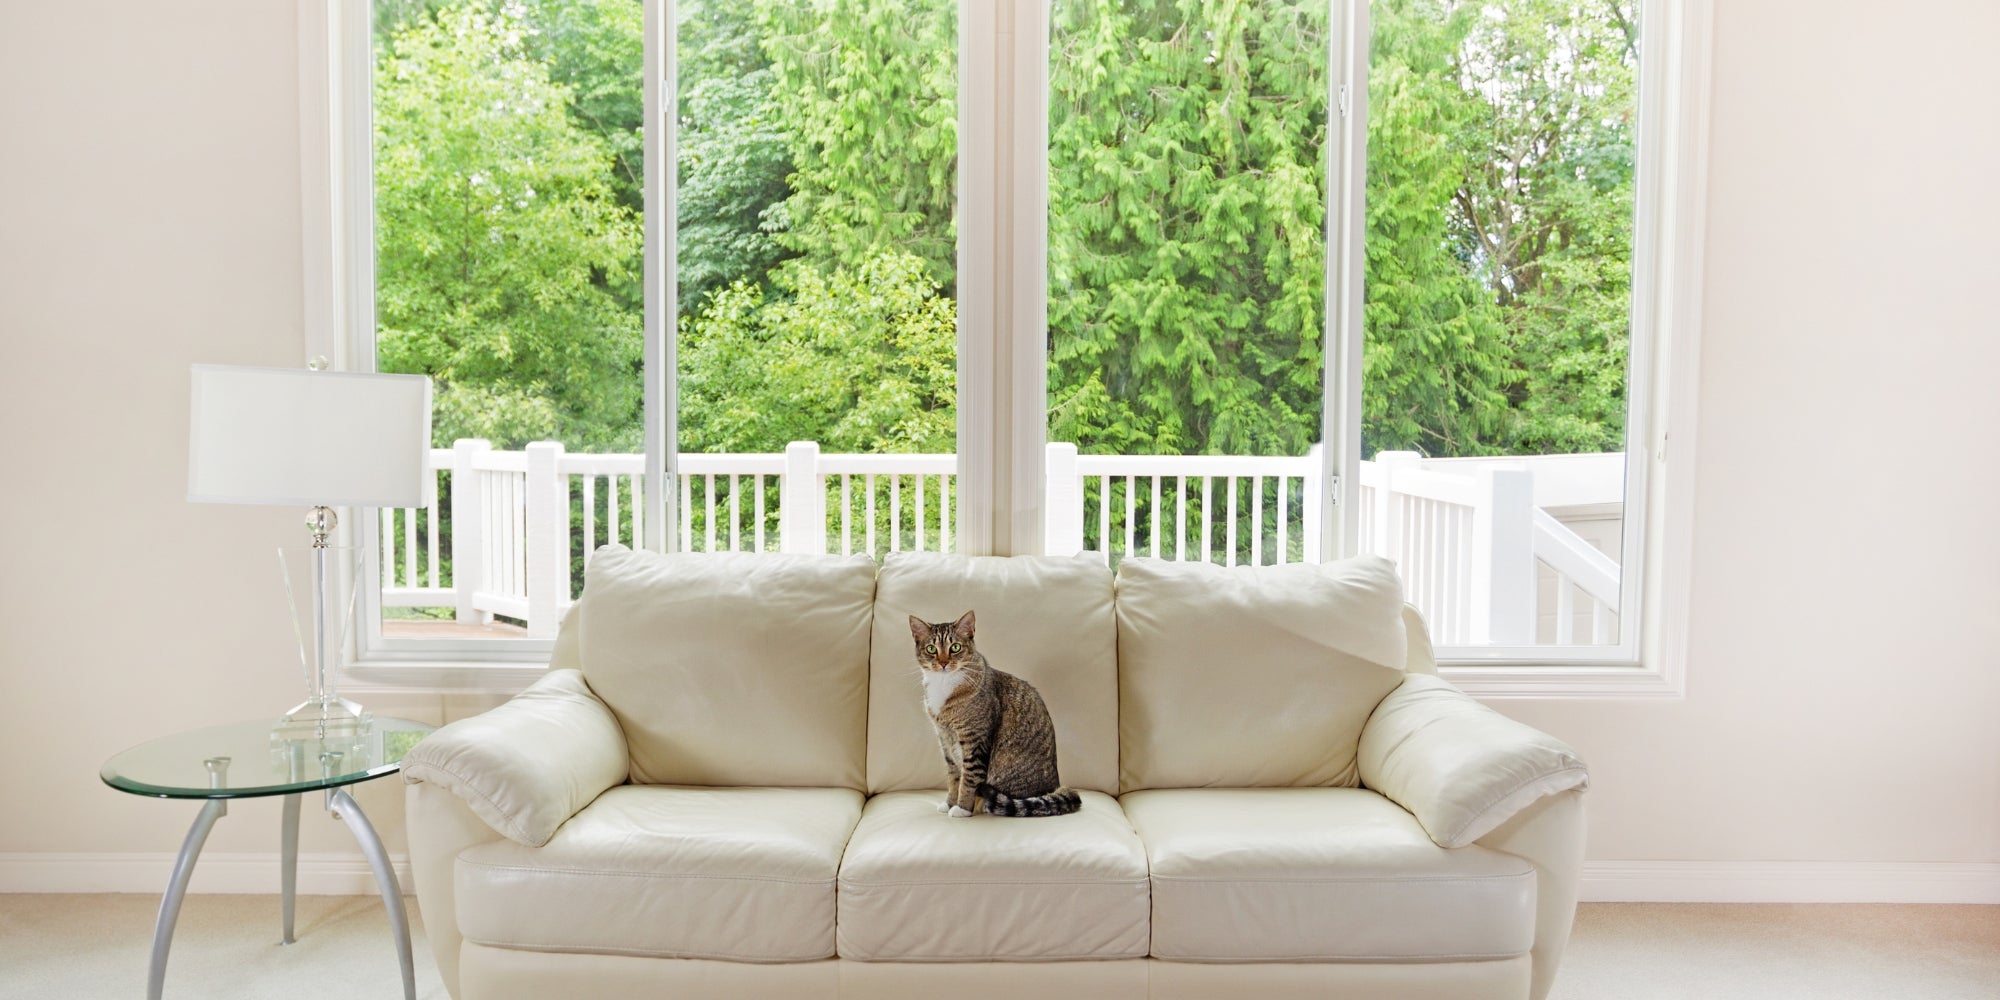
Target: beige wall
1844,656
1844,659
149,218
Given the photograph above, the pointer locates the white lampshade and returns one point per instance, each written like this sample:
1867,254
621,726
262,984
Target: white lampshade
308,438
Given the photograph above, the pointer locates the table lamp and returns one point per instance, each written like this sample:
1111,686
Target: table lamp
317,439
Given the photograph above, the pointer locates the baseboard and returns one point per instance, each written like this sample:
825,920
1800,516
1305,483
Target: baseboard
319,874
1789,882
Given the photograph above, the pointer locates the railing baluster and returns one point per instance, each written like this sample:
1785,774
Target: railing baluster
1180,518
1461,591
708,525
759,478
944,514
410,547
920,512
1434,514
1131,496
638,510
517,529
846,502
871,515
1232,522
1257,520
686,515
1284,519
1105,515
735,512
896,513
1600,623
432,523
1207,518
1153,518
589,518
611,534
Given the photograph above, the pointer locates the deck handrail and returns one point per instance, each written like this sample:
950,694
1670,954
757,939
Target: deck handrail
1473,549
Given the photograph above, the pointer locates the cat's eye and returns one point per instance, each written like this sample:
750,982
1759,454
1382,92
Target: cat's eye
954,647
931,649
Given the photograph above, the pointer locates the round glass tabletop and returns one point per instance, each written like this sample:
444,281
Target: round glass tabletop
247,759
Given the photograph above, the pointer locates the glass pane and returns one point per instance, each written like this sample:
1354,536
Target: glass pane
509,263
1187,276
817,286
1498,311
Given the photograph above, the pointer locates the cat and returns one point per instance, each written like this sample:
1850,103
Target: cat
998,740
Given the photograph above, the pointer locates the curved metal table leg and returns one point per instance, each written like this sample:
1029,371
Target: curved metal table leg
343,805
289,853
170,904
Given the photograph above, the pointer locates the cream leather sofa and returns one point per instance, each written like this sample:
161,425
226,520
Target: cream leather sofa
726,786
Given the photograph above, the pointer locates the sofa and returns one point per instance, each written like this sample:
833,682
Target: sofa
726,786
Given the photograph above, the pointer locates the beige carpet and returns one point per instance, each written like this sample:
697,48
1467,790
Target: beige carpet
90,947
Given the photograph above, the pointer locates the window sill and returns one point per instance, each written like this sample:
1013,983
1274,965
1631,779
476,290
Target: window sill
1564,681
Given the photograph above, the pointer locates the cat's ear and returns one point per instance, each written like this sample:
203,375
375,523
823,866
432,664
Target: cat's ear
919,630
963,626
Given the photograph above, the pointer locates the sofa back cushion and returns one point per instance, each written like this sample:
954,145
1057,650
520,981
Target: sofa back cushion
732,668
1249,676
1044,619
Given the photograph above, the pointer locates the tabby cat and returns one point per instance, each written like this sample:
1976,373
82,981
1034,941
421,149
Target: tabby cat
998,741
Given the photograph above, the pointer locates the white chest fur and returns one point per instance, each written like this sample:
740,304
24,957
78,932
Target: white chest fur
938,687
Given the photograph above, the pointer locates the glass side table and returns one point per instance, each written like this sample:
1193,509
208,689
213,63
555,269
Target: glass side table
251,759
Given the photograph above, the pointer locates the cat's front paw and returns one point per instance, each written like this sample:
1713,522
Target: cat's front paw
958,813
945,806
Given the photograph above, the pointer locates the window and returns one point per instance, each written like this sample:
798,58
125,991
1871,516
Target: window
1497,318
1187,180
1085,275
1481,394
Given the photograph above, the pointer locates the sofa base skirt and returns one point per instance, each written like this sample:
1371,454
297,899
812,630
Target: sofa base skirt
487,973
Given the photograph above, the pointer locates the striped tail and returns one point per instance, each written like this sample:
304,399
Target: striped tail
1060,802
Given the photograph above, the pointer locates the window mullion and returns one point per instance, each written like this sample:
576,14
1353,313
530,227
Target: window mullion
661,210
1346,232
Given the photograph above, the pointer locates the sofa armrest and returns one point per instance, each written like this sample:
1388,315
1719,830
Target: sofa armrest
1461,768
526,767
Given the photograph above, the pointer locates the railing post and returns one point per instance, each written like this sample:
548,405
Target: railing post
1389,510
468,528
802,514
1503,558
548,537
1062,503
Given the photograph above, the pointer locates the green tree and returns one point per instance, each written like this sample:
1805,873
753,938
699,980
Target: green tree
868,94
1547,210
502,248
860,360
735,153
1433,353
1186,225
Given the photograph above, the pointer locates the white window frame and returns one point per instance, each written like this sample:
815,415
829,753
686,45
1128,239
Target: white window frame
1002,258
1648,661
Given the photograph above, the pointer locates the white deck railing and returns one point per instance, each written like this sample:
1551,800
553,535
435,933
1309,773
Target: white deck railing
1474,550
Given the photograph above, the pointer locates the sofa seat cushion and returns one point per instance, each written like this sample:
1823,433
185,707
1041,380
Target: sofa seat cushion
1321,874
919,886
745,874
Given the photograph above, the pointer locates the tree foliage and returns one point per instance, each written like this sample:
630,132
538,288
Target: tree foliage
859,360
817,198
1186,225
502,249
